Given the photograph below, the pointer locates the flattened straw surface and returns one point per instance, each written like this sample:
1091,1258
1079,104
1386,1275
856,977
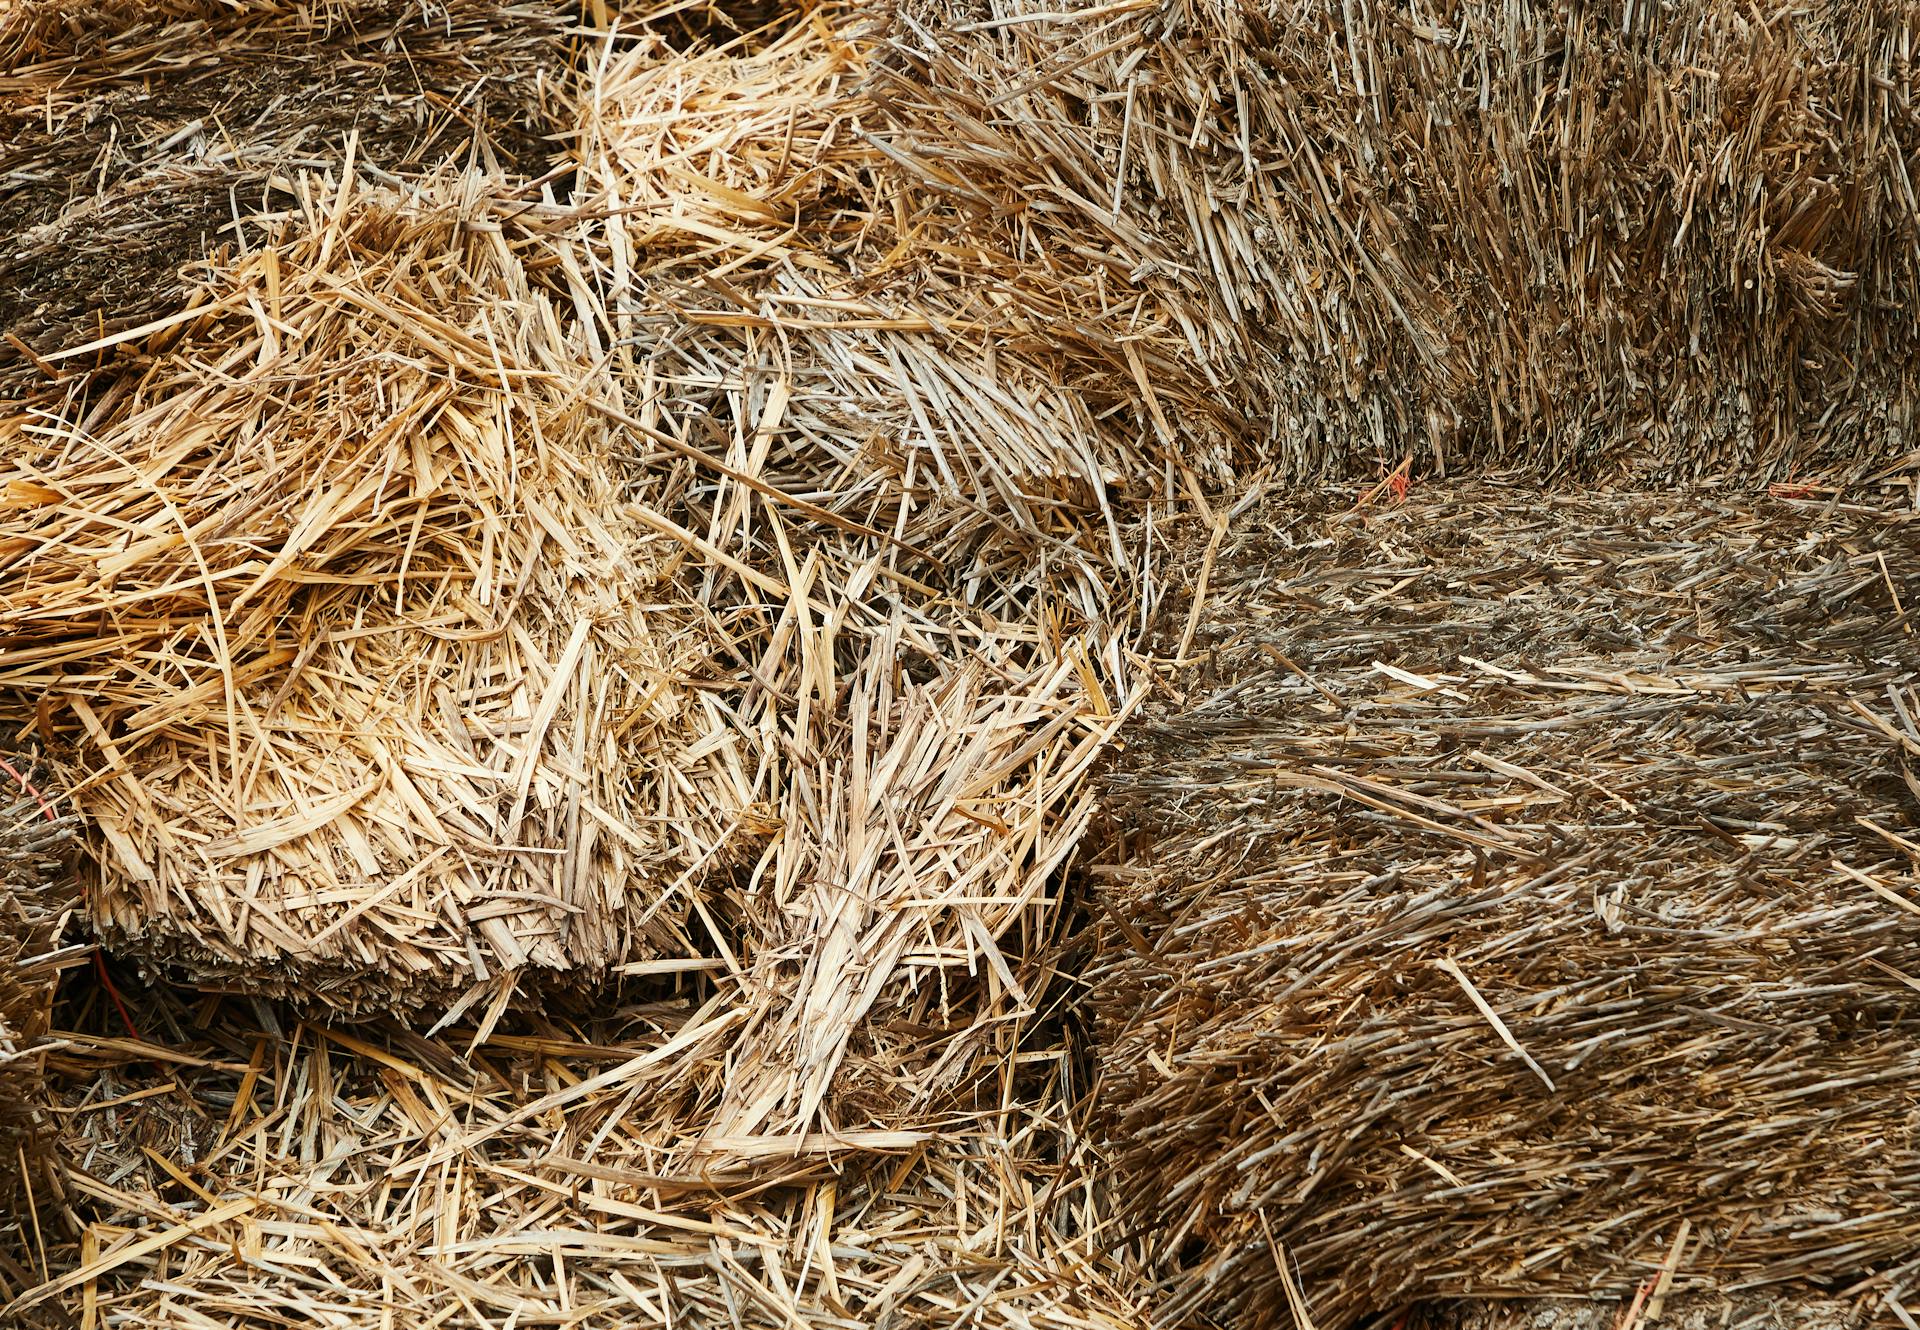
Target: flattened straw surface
135,137
1525,902
1580,238
389,695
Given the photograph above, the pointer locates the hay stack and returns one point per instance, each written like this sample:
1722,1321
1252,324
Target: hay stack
390,696
1659,237
135,137
1526,901
34,901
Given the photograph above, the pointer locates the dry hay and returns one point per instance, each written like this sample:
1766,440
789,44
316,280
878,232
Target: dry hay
225,1172
34,901
135,137
388,697
901,429
1583,237
1524,901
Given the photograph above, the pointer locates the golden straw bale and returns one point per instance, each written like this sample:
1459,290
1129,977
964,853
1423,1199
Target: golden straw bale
390,694
903,445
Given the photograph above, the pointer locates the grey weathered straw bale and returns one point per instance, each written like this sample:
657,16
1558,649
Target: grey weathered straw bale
1583,238
137,137
1524,901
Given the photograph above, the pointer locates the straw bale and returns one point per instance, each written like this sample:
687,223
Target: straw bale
259,1174
1582,238
135,137
35,897
1525,900
896,438
391,696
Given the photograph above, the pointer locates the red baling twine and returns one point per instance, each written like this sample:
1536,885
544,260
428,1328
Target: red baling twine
28,786
99,961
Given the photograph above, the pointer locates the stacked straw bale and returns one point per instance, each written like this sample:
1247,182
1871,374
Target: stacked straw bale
451,591
902,428
390,696
1524,902
135,137
1580,237
34,901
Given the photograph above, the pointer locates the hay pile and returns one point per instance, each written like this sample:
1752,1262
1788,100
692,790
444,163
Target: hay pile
136,137
1583,238
897,634
387,694
724,560
1524,901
